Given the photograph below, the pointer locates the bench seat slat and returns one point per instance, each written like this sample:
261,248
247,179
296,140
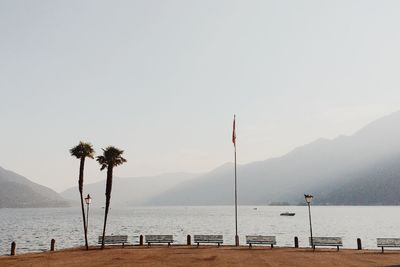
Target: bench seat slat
215,239
337,241
387,242
326,241
259,239
149,239
113,239
158,237
207,237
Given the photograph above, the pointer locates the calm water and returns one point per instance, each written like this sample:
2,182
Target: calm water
32,229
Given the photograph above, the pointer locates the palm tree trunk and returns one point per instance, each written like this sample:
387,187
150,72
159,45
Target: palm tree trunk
81,193
108,197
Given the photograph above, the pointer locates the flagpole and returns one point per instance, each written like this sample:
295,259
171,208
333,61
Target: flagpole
236,226
234,143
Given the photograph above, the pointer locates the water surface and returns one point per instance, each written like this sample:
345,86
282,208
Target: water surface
32,229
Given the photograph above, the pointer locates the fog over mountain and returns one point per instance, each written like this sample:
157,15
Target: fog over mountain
130,191
17,191
362,169
358,169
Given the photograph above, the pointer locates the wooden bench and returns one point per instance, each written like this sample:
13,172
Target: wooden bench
114,239
158,239
326,241
216,239
260,240
388,242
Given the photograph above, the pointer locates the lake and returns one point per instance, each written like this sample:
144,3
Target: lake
32,229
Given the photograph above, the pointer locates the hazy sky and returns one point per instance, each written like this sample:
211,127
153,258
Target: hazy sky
162,80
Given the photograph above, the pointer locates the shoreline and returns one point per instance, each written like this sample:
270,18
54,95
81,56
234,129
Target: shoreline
206,255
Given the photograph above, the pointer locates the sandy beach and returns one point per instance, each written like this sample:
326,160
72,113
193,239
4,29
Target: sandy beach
204,256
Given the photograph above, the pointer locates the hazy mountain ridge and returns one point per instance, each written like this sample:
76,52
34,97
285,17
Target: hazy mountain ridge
130,191
326,168
361,169
17,191
379,184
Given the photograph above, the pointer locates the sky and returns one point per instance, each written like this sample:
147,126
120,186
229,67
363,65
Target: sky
162,79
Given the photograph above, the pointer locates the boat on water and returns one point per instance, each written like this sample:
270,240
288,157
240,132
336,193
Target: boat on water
288,214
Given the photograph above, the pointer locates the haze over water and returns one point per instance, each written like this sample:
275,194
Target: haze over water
32,229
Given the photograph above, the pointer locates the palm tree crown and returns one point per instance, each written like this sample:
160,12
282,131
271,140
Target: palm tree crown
82,150
111,157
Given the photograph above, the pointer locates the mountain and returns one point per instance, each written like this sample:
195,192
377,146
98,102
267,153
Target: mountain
358,169
17,191
379,184
130,191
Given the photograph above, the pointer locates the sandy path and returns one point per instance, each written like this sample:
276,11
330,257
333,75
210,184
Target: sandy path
204,256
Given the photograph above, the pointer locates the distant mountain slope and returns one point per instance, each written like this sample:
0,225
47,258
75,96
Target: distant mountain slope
324,167
130,191
17,191
378,184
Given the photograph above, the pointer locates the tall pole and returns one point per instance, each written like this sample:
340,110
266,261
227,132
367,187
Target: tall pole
236,226
234,144
309,216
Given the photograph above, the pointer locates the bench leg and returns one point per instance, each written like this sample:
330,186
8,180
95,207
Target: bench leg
148,244
250,245
313,248
169,244
123,245
272,246
337,248
218,244
382,249
197,244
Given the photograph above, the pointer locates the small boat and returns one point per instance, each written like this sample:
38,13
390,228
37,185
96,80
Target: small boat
288,214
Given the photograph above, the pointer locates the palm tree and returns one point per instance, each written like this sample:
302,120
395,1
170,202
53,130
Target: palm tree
111,158
82,151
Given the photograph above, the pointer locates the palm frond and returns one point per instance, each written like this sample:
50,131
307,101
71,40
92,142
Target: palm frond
82,150
111,157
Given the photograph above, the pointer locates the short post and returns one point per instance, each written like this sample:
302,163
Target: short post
141,240
296,242
236,240
13,248
52,244
188,240
359,246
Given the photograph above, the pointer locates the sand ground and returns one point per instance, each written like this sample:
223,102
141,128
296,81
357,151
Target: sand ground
204,256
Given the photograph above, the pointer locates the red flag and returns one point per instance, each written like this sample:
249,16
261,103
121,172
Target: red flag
234,131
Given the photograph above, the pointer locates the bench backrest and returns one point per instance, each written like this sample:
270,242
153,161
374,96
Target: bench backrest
114,239
388,242
208,238
326,241
260,239
158,238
